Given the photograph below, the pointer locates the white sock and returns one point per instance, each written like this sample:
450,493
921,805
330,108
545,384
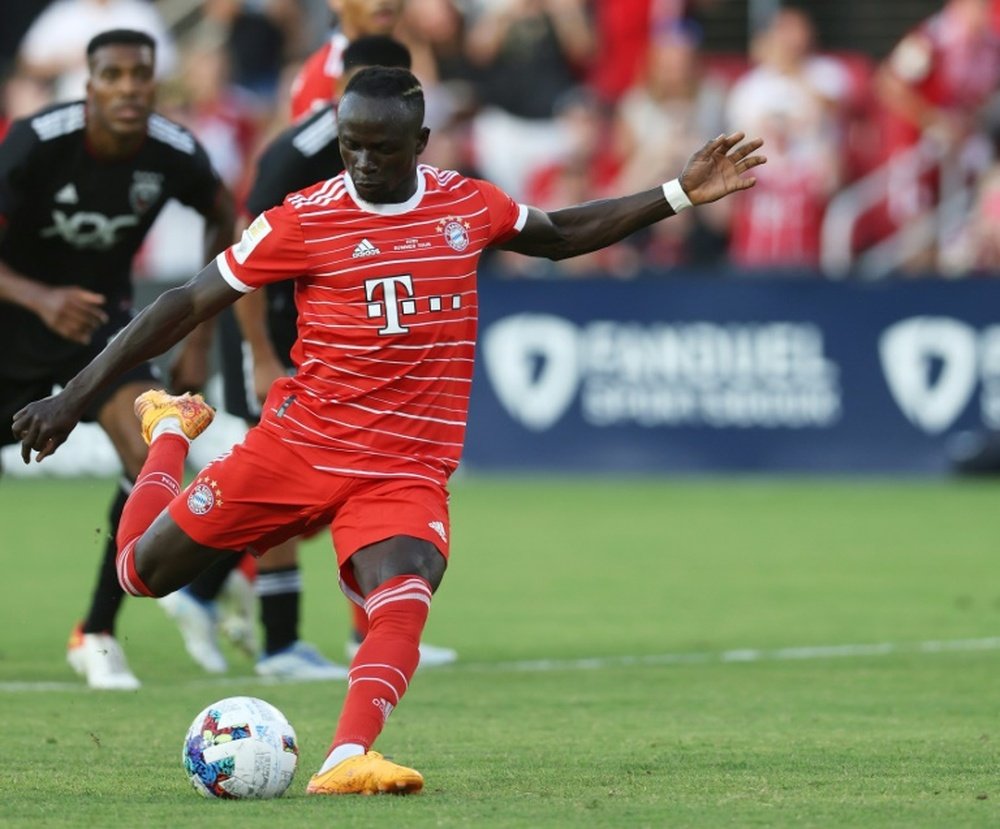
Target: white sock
342,752
170,425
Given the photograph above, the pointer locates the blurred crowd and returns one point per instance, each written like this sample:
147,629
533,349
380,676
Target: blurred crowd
560,101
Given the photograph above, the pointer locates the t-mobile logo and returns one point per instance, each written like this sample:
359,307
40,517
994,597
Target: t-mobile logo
393,303
392,297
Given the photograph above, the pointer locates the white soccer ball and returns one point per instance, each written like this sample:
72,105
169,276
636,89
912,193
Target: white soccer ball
240,747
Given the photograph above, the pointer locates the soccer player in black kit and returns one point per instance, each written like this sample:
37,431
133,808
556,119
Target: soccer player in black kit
255,353
80,186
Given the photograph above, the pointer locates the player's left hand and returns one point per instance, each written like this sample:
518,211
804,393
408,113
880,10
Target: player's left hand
718,168
44,425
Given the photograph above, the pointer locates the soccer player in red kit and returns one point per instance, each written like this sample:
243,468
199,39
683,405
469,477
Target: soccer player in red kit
365,435
315,84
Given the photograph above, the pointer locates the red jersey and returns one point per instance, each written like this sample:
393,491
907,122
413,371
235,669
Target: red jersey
315,82
949,68
387,308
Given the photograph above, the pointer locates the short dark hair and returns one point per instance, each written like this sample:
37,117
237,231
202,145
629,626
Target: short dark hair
119,37
389,83
376,50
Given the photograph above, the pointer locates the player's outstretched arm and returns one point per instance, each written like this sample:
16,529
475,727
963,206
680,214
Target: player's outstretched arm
45,424
716,170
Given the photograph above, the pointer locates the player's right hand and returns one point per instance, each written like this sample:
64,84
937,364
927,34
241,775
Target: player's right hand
71,312
44,426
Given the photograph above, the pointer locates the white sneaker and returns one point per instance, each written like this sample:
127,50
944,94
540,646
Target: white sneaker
101,660
199,629
431,656
299,661
238,611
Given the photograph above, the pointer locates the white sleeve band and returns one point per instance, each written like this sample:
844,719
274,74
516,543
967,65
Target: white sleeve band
229,276
675,195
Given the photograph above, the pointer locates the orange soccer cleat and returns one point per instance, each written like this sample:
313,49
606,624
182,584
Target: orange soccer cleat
191,410
367,773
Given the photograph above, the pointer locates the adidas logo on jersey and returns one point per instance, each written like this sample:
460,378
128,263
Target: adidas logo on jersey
365,248
67,195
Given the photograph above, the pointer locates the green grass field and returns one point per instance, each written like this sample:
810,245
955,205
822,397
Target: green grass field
625,662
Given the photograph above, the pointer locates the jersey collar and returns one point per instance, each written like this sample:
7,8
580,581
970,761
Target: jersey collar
387,209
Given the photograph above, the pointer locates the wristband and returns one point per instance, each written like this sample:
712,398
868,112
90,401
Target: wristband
675,195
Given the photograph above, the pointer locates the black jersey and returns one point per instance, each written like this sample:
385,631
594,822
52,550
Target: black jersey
74,219
305,153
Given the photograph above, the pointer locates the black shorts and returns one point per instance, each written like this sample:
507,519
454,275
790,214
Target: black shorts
19,387
237,362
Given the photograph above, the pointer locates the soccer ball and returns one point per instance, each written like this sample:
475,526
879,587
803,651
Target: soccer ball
240,747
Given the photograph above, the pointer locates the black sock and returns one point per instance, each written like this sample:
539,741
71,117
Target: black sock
208,583
108,593
279,592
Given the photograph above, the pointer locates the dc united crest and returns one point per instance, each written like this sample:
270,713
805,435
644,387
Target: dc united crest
145,190
456,232
204,495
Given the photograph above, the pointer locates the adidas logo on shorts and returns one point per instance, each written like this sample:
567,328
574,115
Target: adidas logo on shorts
365,248
438,527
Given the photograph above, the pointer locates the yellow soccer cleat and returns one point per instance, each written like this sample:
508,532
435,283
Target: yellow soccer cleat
367,773
191,410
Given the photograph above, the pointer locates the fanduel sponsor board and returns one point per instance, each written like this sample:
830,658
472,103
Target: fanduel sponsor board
699,374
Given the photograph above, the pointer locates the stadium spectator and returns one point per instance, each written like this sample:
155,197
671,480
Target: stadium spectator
791,98
660,121
80,185
304,154
260,38
316,82
367,432
53,48
526,53
932,86
587,168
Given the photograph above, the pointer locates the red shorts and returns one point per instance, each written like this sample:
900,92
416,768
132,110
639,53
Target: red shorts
262,493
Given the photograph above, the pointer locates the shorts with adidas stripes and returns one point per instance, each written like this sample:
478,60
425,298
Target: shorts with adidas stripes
262,493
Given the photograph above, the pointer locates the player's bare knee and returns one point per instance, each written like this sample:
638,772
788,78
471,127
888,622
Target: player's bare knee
398,556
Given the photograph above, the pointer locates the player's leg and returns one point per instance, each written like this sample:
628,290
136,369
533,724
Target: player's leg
94,650
430,655
155,556
397,577
279,590
194,608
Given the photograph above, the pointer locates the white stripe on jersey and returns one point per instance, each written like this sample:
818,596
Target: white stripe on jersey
362,449
317,135
229,276
363,430
365,221
358,472
297,200
172,134
61,121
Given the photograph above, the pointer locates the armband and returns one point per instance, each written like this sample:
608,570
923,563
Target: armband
675,195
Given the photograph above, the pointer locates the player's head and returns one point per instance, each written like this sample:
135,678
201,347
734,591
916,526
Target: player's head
371,50
121,85
380,124
367,17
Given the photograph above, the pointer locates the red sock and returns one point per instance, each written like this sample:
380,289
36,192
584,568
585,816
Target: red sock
158,483
386,660
359,619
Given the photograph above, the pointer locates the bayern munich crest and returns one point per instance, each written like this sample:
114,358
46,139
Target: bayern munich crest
204,495
456,232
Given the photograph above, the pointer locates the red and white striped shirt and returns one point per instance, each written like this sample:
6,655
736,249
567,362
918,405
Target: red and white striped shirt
315,83
386,298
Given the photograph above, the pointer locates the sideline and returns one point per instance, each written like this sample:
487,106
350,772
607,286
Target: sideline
740,655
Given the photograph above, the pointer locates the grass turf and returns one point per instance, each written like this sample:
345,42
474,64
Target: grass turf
563,570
